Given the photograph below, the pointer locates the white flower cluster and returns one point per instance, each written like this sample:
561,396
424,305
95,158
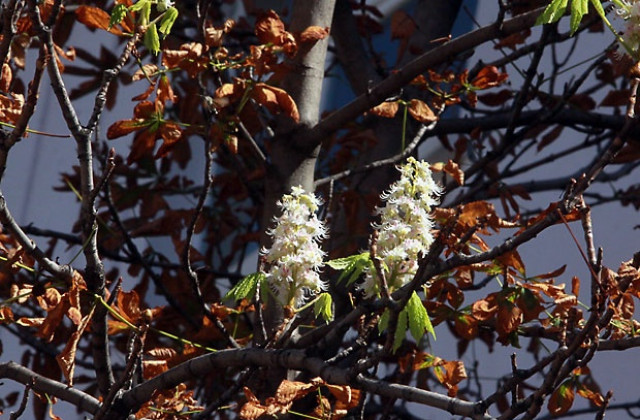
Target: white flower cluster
405,229
629,10
295,257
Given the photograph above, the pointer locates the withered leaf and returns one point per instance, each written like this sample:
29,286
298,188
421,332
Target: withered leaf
313,34
421,112
385,109
488,77
275,100
562,398
96,18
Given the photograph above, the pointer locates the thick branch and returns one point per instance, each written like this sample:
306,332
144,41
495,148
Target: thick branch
298,360
16,372
406,74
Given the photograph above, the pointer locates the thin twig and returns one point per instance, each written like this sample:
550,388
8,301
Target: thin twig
63,272
379,163
15,415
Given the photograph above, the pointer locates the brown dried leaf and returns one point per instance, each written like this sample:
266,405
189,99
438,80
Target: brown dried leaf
508,319
66,358
128,304
484,309
495,98
188,57
269,28
165,91
124,127
451,168
548,138
454,374
421,112
50,299
575,286
162,353
6,315
488,77
148,70
275,100
289,391
30,322
512,259
314,34
252,410
402,25
214,36
5,78
513,40
616,98
52,321
170,133
385,109
153,368
466,326
96,18
590,390
562,398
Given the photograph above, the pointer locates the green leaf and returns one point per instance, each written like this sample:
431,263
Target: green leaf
324,307
245,288
384,321
151,39
140,5
144,7
553,12
579,8
351,266
598,6
117,15
168,19
419,321
401,329
429,360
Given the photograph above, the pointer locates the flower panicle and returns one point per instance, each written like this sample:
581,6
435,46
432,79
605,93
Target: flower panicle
295,256
405,229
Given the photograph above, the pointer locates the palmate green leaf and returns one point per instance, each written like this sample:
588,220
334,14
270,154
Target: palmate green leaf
579,8
168,19
401,329
419,321
141,5
324,307
383,323
351,266
151,39
246,288
413,317
598,6
117,15
554,11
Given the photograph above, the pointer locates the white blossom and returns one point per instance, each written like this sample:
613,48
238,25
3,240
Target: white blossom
295,257
630,12
406,227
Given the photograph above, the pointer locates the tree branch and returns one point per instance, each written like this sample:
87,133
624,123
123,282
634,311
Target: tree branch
406,74
18,373
298,360
94,270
